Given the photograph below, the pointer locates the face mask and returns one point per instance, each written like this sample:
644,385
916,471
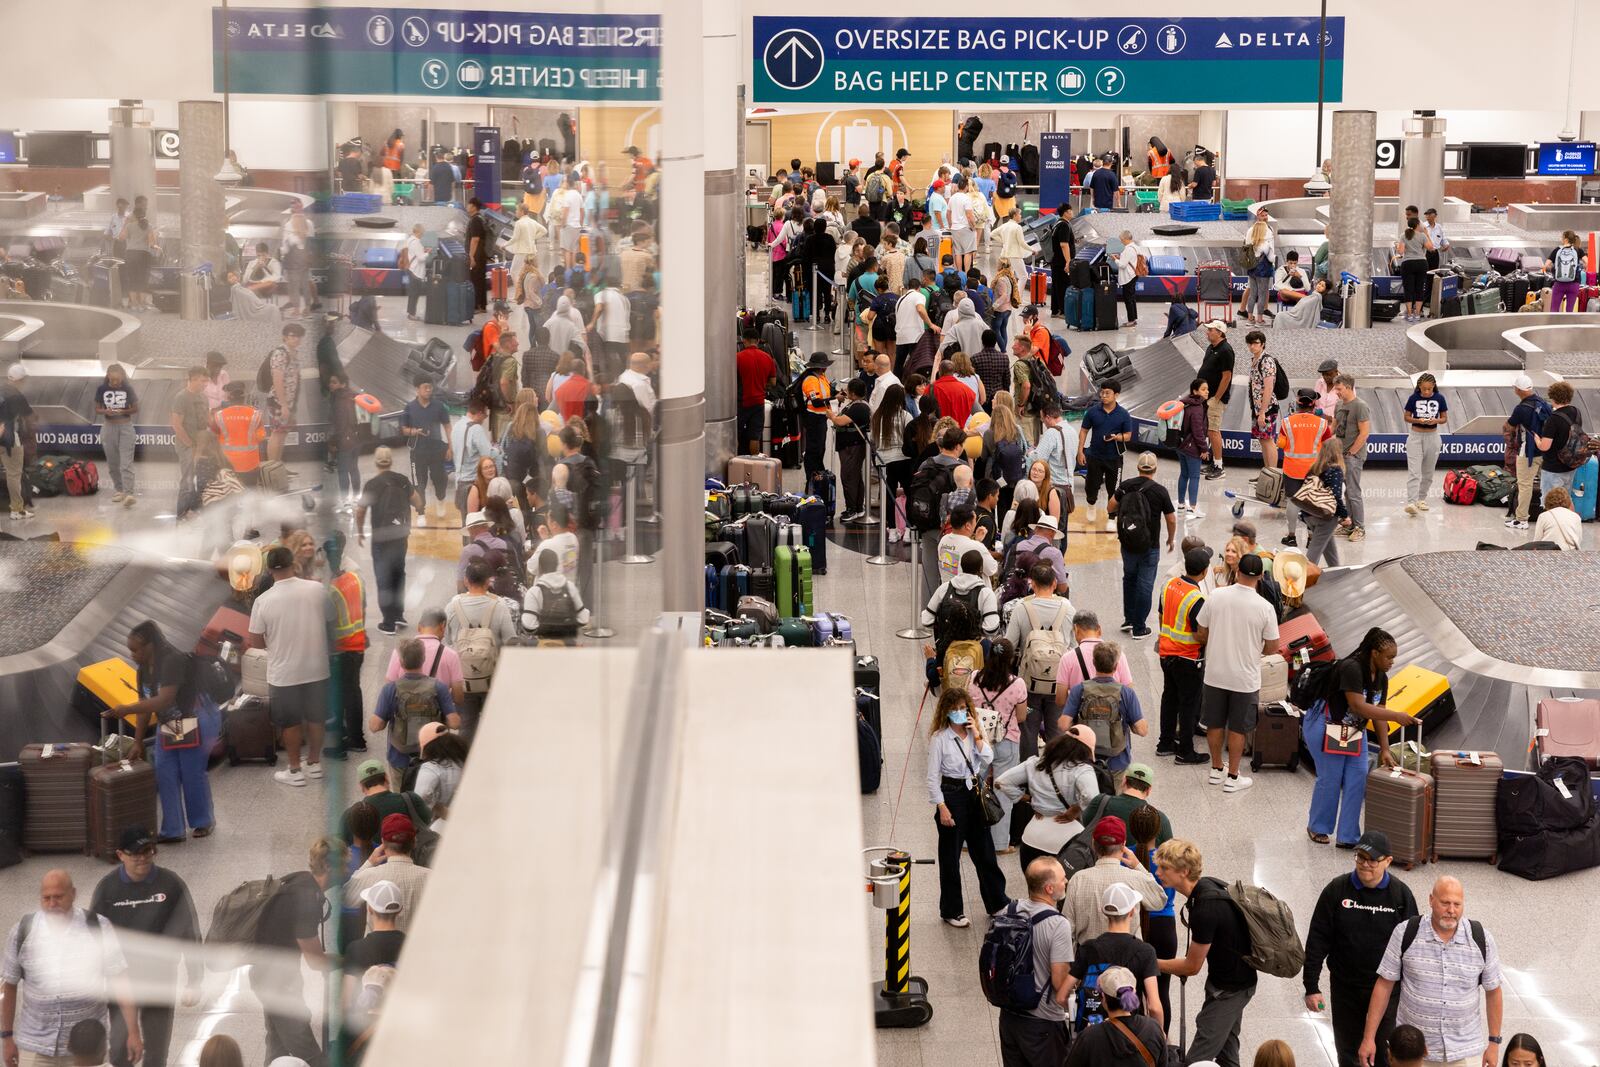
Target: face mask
958,717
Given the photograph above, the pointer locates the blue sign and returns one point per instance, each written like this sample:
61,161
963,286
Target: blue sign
1569,158
8,146
486,163
1055,170
886,61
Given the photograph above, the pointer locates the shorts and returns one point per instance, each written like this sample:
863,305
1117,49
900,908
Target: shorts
963,241
296,705
1223,708
276,421
569,238
1214,409
1271,422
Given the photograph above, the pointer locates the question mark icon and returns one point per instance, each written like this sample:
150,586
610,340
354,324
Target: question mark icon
1110,81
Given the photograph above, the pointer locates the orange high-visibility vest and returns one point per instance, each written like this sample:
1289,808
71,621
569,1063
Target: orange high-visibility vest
1178,637
1300,436
241,434
349,613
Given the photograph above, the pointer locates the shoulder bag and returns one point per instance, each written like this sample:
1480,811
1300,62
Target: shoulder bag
988,800
1315,498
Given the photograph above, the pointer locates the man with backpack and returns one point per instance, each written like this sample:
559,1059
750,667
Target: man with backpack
1025,964
486,547
1522,428
1040,628
1033,387
1561,440
934,478
552,607
1181,647
439,659
477,625
289,924
1219,939
1115,864
1137,506
389,498
1110,709
964,606
954,546
410,702
392,861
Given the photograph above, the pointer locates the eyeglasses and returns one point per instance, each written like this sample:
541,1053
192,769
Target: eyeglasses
1368,861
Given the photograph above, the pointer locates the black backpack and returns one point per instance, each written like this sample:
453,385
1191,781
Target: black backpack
1043,390
939,305
558,616
1136,521
1005,962
931,482
1280,381
264,372
959,618
1311,683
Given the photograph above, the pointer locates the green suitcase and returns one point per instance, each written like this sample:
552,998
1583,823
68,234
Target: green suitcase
783,576
795,633
802,581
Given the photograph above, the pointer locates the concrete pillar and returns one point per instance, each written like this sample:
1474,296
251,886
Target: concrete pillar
133,152
724,234
741,261
1355,136
682,410
1421,165
202,139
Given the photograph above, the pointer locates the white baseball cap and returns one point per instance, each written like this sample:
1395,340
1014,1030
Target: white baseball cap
1118,899
16,372
1523,382
383,898
1215,324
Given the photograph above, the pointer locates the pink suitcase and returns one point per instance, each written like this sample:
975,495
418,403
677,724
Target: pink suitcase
764,472
1568,726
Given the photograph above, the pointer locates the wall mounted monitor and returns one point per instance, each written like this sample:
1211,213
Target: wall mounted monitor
1497,160
58,148
1572,159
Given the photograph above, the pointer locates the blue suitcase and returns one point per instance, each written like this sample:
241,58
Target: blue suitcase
735,584
1168,266
812,518
386,258
459,301
1085,321
1585,486
824,486
1071,300
713,587
800,304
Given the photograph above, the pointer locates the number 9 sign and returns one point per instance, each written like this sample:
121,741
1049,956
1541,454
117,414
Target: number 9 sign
1387,154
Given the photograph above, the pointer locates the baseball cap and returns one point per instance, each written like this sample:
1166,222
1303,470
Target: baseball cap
1084,734
855,162
397,827
369,768
1306,398
1523,382
1141,773
1374,844
383,456
1147,461
1327,365
1250,563
1107,830
429,731
1215,324
288,1061
16,372
1118,899
384,897
136,839
1196,560
1245,529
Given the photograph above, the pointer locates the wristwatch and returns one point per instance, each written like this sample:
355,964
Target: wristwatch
5,1035
1495,1039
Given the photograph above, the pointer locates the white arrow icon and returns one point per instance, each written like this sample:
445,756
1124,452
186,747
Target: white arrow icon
794,48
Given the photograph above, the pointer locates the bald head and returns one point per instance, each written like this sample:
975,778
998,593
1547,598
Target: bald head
639,362
883,365
56,892
1047,880
1447,901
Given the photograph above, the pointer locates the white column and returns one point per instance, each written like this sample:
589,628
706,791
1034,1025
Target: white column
721,121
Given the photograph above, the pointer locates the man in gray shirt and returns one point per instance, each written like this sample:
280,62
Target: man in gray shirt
1040,1036
1352,422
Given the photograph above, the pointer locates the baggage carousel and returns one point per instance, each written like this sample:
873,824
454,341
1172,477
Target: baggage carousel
70,605
1483,620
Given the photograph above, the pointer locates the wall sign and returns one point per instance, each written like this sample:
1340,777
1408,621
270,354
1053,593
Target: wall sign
1570,158
1386,153
1055,170
374,51
883,61
486,163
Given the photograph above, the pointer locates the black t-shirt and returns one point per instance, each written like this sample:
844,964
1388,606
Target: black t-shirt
1350,676
869,229
1214,920
1059,235
14,407
1205,177
294,914
443,177
375,950
860,415
477,228
1155,493
387,495
1116,950
350,172
1558,427
1217,361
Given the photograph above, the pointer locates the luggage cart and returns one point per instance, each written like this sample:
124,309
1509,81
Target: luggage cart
1214,289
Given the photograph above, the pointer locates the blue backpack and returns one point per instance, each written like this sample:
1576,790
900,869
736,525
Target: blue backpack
1091,1002
1005,963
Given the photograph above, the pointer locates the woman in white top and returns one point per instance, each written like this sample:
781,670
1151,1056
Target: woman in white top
1259,271
1559,523
997,689
847,254
1059,783
958,757
1171,189
1014,246
416,270
1024,492
1128,263
444,755
500,486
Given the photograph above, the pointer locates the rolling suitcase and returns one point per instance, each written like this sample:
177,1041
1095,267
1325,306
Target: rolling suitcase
735,584
720,554
1268,486
435,299
738,501
1085,320
1302,640
733,534
1038,285
1071,307
107,684
12,814
713,587
824,485
1567,726
1105,307
802,581
763,583
499,282
869,680
1400,803
1276,742
55,782
764,472
122,795
1420,692
247,732
812,517
783,578
1585,484
227,624
1465,785
761,538
794,633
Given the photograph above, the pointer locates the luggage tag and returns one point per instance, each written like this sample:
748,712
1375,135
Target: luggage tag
1561,787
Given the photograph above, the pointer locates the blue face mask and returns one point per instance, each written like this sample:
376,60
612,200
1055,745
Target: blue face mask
958,717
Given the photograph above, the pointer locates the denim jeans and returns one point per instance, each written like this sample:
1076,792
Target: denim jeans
1341,787
1002,319
348,470
1188,479
1549,479
1138,585
181,781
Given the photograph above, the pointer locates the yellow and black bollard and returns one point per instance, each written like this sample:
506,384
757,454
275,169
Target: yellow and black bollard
901,999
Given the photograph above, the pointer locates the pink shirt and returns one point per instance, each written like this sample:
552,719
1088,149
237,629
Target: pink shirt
1070,675
449,671
214,390
1327,399
1006,702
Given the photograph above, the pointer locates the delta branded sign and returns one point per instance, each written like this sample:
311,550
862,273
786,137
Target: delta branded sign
886,61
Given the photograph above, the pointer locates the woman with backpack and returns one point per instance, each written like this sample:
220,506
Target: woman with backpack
444,758
958,761
1123,1039
1059,782
1263,396
1194,448
1262,255
523,450
1329,468
1565,267
997,687
1348,697
783,239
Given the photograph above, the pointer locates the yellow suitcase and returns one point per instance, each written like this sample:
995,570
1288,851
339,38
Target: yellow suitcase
107,684
1418,691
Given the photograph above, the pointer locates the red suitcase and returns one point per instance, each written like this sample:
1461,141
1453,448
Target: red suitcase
1464,785
227,624
1568,726
1302,639
1038,286
55,784
499,282
121,796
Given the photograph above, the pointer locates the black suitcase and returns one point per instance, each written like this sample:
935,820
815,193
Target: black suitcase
1385,310
720,554
1513,293
1552,852
735,584
763,583
1029,174
991,151
1105,308
434,299
12,814
869,681
733,534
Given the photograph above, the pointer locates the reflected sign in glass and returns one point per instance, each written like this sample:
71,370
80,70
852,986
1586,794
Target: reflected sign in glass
1567,158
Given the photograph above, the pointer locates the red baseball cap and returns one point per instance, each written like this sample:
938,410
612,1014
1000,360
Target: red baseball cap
1109,829
399,827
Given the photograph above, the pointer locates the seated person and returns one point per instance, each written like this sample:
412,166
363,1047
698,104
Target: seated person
262,274
249,307
1291,282
1305,314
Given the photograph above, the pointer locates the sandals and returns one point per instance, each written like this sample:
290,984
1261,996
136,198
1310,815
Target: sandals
1321,839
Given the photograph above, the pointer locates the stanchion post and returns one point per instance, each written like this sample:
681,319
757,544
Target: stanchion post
630,517
897,929
915,632
885,512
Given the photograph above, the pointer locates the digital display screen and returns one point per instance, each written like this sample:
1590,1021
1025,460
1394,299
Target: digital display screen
51,148
1570,158
1497,160
8,146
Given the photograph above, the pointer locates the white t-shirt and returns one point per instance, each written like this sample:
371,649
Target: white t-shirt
1127,261
908,325
574,208
952,546
960,204
416,258
565,546
292,618
614,316
1240,622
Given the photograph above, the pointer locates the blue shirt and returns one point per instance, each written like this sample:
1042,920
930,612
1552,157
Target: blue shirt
1131,713
433,418
1529,416
471,443
1100,423
986,187
117,400
1426,407
386,709
1103,184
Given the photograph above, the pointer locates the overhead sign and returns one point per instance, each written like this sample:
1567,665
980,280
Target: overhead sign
371,51
1386,153
1569,158
884,61
1055,170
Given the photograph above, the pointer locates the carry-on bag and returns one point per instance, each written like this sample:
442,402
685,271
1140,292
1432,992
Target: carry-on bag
253,673
1274,679
1400,803
764,472
55,781
1276,741
122,795
1419,692
227,624
1568,726
1465,785
1302,639
1268,486
110,683
12,813
247,732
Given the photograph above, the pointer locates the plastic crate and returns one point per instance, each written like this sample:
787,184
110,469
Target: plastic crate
1194,211
1236,210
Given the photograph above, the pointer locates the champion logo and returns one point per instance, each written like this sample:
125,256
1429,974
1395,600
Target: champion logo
1380,909
153,898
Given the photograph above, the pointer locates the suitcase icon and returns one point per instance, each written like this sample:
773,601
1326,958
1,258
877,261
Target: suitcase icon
862,139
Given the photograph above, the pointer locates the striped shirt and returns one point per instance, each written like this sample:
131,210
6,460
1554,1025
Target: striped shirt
1440,991
62,969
